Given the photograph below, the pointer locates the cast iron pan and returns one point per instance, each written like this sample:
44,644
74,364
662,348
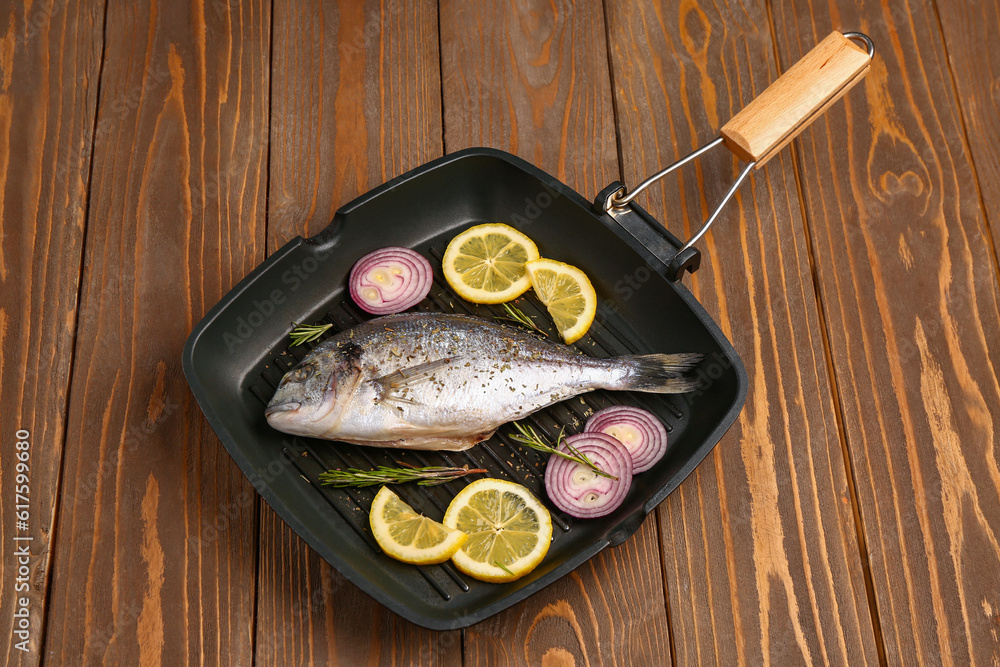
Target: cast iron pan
236,355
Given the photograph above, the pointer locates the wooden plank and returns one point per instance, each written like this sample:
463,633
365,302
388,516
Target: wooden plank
760,548
154,563
974,56
50,55
356,100
910,294
532,78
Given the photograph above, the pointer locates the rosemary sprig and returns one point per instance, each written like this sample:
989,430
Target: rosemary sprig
429,476
530,438
303,333
517,315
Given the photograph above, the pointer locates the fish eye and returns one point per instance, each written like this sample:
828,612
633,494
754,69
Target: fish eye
303,373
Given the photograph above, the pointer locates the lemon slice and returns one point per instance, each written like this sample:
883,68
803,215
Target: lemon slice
567,293
408,536
485,263
509,530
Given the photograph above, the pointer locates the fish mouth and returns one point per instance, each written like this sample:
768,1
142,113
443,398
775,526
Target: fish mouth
281,407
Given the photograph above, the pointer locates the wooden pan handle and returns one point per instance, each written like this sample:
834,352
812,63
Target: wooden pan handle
798,97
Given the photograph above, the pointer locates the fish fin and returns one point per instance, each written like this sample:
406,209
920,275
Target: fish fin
393,385
662,373
429,443
442,443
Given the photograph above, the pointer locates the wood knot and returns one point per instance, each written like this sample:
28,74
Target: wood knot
898,173
561,640
905,183
558,657
696,29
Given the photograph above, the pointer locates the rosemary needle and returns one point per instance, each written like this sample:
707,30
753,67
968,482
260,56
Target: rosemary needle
304,333
530,438
503,567
517,315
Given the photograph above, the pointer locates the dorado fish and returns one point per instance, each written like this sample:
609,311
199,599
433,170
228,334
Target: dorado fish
434,381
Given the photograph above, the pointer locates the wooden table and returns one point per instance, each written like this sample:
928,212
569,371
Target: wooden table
152,154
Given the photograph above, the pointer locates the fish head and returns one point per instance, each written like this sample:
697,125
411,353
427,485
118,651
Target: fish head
313,395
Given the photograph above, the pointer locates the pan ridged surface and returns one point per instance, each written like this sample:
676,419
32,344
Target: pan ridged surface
46,137
535,82
155,534
355,100
760,553
907,280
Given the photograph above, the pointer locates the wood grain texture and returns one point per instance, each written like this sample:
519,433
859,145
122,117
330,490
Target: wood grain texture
910,294
50,55
356,101
156,553
532,78
760,547
974,58
134,171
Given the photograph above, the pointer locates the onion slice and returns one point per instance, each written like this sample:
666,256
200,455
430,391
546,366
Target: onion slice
390,280
579,491
639,430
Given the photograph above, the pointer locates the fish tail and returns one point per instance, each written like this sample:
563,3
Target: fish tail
662,373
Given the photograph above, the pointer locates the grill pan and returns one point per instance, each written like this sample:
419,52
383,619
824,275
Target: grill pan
237,354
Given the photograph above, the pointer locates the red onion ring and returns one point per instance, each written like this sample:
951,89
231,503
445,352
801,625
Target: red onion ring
579,491
390,280
639,430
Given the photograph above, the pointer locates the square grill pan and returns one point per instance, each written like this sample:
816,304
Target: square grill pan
237,354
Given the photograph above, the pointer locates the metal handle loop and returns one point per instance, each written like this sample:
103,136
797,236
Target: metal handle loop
620,199
616,201
869,44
